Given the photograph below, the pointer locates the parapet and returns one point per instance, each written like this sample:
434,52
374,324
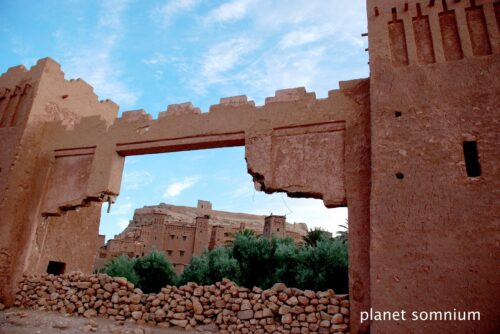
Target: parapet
185,108
136,115
291,95
233,101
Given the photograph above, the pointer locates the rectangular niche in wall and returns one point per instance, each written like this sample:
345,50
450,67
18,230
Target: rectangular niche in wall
56,268
476,23
423,38
449,33
397,39
471,159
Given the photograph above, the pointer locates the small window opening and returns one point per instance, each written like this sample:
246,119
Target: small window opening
56,268
181,253
398,114
400,176
169,252
471,159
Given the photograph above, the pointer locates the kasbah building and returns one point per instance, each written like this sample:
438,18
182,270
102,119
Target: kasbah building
181,232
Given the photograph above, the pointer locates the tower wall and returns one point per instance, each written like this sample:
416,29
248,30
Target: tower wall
435,83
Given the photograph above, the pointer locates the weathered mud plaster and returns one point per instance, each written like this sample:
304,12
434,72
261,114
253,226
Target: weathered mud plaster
393,148
78,160
434,229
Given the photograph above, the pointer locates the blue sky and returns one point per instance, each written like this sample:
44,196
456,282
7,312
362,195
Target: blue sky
149,54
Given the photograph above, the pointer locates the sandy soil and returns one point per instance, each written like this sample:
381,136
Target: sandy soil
17,321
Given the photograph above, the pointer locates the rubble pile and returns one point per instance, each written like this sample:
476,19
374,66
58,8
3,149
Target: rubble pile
222,306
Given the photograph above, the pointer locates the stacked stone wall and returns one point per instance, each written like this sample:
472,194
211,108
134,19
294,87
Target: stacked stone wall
222,307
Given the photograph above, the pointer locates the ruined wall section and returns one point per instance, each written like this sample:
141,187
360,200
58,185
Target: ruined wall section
45,96
17,87
435,69
56,236
294,143
328,160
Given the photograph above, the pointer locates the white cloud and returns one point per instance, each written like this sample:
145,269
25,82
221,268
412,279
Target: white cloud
176,188
225,56
229,11
96,62
136,179
98,67
310,44
165,13
299,38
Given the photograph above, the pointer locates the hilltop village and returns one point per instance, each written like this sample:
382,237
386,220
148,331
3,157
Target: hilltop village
182,232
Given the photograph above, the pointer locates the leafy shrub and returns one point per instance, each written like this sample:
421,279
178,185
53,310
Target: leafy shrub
122,266
155,272
324,266
256,260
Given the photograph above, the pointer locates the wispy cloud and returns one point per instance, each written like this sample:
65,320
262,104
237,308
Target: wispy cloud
156,59
229,11
136,179
225,56
176,188
165,13
221,63
310,44
300,37
96,61
111,13
99,68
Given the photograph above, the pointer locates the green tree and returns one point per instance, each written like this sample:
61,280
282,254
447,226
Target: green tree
155,272
210,267
245,233
122,266
286,258
256,260
323,267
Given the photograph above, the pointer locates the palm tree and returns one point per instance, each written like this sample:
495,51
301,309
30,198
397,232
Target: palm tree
314,236
343,236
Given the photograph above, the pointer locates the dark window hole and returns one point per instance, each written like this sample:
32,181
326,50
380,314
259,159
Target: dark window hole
471,159
398,114
400,176
56,268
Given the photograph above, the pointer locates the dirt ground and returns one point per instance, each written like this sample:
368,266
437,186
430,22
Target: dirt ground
20,321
